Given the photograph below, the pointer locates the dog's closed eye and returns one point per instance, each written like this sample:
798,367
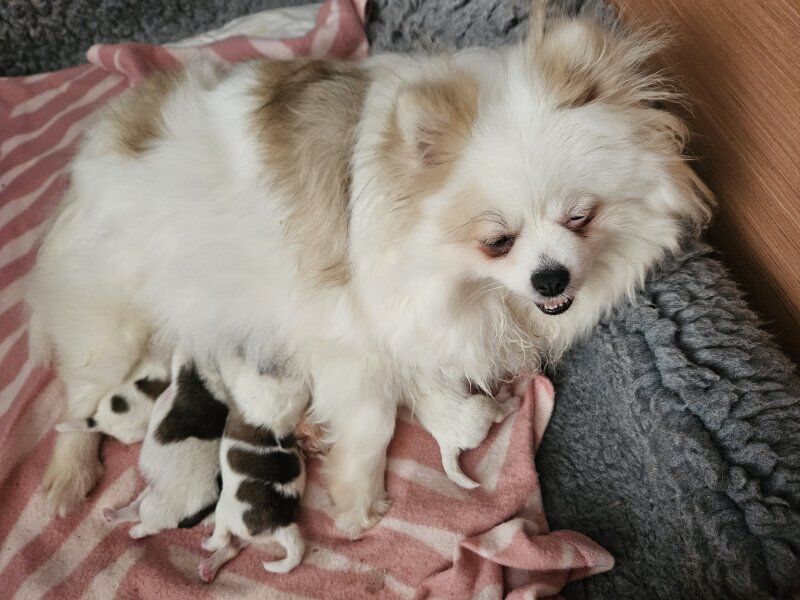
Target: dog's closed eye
579,218
498,247
578,221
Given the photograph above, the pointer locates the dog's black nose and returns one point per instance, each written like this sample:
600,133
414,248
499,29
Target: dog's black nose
551,280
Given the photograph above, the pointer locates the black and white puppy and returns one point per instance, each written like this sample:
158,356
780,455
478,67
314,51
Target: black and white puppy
125,412
180,454
263,474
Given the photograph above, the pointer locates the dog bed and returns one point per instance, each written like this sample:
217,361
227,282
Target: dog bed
675,440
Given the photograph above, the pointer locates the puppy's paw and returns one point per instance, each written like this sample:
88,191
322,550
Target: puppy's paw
212,544
139,531
207,570
66,484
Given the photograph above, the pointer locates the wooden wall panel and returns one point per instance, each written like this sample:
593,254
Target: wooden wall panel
739,63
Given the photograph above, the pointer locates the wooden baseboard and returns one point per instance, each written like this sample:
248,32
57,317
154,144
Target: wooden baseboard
739,63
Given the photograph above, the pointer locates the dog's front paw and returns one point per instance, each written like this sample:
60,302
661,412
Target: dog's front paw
354,520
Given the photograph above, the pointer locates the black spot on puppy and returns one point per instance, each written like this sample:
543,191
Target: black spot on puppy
194,413
277,466
152,388
269,507
192,520
256,435
91,423
119,405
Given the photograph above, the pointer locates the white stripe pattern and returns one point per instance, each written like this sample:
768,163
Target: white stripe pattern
13,208
106,583
88,98
441,540
80,542
36,102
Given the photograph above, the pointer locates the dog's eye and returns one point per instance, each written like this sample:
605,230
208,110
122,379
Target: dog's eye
499,246
578,221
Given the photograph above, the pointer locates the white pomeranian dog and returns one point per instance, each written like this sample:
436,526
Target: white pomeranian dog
409,229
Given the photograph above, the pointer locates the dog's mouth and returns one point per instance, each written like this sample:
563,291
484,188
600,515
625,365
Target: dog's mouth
555,306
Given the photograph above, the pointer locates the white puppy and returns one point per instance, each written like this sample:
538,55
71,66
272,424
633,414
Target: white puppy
409,228
180,455
125,412
263,475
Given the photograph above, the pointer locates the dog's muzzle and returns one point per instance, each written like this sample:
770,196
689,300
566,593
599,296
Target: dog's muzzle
555,306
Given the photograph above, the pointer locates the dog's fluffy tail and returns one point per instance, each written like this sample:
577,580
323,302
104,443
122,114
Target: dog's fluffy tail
291,539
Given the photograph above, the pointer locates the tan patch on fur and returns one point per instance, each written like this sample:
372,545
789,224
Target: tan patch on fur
306,121
581,61
137,116
425,134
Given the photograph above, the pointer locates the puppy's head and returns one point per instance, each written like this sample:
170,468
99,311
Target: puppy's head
550,169
123,414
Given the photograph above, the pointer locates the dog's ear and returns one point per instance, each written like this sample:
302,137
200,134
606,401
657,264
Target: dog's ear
78,425
434,118
681,193
580,61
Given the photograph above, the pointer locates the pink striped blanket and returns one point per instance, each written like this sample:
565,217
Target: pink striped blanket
437,540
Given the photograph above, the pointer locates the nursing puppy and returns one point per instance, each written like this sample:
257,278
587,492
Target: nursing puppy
180,455
263,475
125,412
410,228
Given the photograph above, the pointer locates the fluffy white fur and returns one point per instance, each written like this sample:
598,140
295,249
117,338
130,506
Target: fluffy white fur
185,242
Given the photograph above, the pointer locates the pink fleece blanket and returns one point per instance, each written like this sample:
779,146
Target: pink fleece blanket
437,540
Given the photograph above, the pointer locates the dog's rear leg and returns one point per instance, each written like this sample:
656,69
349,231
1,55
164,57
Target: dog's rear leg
95,353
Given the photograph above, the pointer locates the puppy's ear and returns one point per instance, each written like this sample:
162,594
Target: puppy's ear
88,425
434,118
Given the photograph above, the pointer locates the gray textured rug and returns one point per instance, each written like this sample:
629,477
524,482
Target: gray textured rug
675,441
45,35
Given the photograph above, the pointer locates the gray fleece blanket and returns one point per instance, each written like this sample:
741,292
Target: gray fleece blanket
675,440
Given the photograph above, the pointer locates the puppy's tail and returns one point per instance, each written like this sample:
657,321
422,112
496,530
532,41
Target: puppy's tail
453,469
291,539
